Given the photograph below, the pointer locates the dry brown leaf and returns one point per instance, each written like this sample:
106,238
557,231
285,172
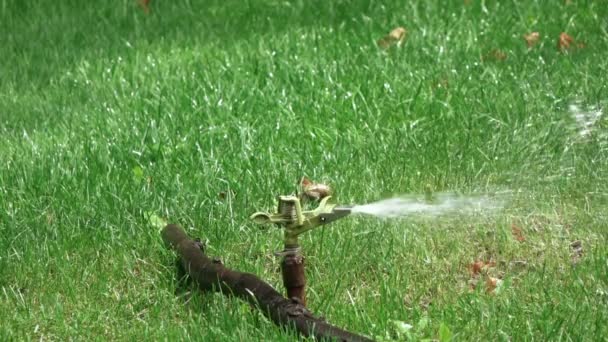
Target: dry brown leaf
492,284
532,38
475,268
395,37
304,182
484,270
314,191
478,266
495,55
517,233
565,42
398,33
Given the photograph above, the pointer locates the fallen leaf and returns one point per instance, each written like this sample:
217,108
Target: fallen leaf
495,55
492,284
564,42
476,269
314,191
478,266
305,182
395,37
398,33
517,233
532,39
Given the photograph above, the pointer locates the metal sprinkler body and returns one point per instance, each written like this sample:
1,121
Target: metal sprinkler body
294,220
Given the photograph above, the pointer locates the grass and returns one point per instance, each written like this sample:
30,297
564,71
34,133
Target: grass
107,113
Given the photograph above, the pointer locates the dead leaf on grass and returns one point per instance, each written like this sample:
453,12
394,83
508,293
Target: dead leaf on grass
532,39
395,37
314,191
495,55
475,268
478,270
493,285
478,266
517,233
566,43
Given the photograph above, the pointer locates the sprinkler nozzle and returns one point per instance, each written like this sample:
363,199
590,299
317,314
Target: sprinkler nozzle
296,221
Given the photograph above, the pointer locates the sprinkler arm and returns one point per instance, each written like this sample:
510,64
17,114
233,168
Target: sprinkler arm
296,221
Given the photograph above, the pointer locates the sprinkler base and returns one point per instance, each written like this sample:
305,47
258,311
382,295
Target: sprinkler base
294,277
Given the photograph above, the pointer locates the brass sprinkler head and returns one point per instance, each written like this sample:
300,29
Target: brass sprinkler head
296,221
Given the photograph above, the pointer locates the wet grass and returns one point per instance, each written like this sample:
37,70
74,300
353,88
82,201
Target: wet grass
107,113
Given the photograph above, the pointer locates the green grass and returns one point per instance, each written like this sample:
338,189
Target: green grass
107,113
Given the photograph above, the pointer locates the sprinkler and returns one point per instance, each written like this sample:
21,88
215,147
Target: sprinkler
294,221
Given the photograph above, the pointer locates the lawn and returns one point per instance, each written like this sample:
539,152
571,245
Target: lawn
203,111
